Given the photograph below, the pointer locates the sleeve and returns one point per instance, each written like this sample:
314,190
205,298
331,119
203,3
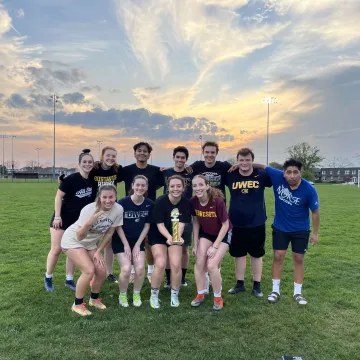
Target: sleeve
118,221
159,179
313,199
267,180
226,165
195,167
274,173
185,211
65,185
159,212
221,211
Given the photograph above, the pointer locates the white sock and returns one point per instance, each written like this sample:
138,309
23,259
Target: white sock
132,269
155,292
276,285
150,269
175,292
48,276
217,294
69,277
297,288
202,292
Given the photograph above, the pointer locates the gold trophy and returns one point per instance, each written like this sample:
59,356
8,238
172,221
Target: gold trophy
175,226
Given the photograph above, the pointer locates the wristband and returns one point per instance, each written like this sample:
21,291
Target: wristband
57,217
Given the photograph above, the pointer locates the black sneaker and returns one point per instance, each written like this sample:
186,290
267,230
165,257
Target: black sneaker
70,284
236,289
48,284
112,278
257,292
184,283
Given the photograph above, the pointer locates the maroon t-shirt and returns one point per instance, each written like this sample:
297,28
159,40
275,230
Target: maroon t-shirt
211,216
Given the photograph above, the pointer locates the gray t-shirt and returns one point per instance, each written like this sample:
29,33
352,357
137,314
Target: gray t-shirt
111,218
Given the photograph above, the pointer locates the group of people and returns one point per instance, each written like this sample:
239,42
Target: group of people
88,221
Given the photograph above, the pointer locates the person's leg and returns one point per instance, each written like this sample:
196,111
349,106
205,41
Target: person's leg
168,275
139,265
125,269
109,260
149,259
159,252
184,264
175,255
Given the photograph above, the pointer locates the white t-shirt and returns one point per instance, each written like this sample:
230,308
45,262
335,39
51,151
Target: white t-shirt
111,218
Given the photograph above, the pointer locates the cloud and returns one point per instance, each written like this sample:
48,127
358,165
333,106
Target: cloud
17,101
114,91
90,88
73,98
20,13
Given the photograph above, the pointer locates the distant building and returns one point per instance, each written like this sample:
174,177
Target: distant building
339,175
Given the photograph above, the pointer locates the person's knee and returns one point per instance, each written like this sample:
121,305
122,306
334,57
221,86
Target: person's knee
160,263
298,259
279,256
55,251
140,269
212,266
89,271
100,272
126,269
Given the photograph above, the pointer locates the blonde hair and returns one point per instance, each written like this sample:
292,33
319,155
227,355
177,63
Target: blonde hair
104,188
212,192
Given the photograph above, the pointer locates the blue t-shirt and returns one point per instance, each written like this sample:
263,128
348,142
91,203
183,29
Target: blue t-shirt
187,177
292,206
135,216
247,204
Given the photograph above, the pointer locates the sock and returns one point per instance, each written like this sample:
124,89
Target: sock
136,291
69,277
132,269
297,288
276,285
217,294
202,292
256,285
48,276
150,269
79,301
155,292
94,296
239,283
168,275
175,292
183,274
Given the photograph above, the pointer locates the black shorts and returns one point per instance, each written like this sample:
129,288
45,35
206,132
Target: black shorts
118,246
187,234
248,241
212,238
299,240
66,220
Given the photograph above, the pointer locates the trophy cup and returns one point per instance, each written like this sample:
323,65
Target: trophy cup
175,226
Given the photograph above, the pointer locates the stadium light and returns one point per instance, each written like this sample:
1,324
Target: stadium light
99,142
54,98
12,156
268,100
201,139
38,155
3,159
151,155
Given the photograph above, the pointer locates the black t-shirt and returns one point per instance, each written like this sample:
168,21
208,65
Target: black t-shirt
162,211
216,175
153,174
187,177
106,177
247,203
78,193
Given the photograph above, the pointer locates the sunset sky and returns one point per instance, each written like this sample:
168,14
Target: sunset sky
166,71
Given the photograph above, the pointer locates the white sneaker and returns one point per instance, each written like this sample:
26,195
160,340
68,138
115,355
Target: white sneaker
154,302
123,301
174,301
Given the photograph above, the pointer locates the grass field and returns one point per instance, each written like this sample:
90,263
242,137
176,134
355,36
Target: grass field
35,324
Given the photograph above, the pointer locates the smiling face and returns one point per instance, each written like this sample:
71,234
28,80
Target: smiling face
292,175
245,162
210,153
86,164
176,188
180,160
200,187
142,154
107,199
140,187
109,157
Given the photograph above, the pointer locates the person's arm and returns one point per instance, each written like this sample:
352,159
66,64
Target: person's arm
122,236
83,231
98,260
143,234
224,229
196,230
314,237
58,202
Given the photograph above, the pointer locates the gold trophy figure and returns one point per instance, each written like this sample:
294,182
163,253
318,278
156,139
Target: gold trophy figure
175,225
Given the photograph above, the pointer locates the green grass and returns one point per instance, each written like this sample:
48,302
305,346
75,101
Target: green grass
35,324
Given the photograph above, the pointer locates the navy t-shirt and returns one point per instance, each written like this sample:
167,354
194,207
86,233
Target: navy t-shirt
187,177
135,217
247,203
292,206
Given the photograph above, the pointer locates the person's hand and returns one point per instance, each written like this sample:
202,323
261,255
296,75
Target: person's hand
98,260
194,250
314,238
127,251
95,217
164,168
136,252
234,167
211,252
169,240
189,169
57,223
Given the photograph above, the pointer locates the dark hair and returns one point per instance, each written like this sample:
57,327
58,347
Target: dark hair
182,149
142,143
83,153
176,177
292,162
61,178
211,143
142,177
212,192
245,152
115,167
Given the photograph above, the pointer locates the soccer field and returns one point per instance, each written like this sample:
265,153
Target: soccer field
35,324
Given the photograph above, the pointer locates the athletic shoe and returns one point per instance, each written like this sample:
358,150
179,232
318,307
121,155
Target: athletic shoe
257,293
112,278
167,285
137,300
132,277
154,302
218,303
81,309
48,284
97,303
70,284
184,283
123,301
174,301
149,277
236,289
198,300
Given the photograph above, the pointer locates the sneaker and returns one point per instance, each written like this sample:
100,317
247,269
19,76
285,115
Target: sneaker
132,277
97,303
123,301
149,277
154,302
236,289
218,303
81,309
48,284
184,283
167,285
70,284
174,301
112,278
257,293
198,300
137,300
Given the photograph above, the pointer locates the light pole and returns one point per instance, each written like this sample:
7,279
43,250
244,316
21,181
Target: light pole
99,142
3,159
54,98
268,100
12,156
151,155
201,139
38,154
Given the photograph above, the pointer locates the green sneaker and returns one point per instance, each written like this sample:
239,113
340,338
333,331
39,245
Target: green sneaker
154,302
137,300
123,301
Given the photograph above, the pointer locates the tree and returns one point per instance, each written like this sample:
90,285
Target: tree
308,155
276,165
232,161
337,163
308,175
3,170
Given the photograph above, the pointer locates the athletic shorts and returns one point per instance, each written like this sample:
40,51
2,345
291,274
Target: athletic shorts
212,238
187,234
118,246
66,220
248,241
299,240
